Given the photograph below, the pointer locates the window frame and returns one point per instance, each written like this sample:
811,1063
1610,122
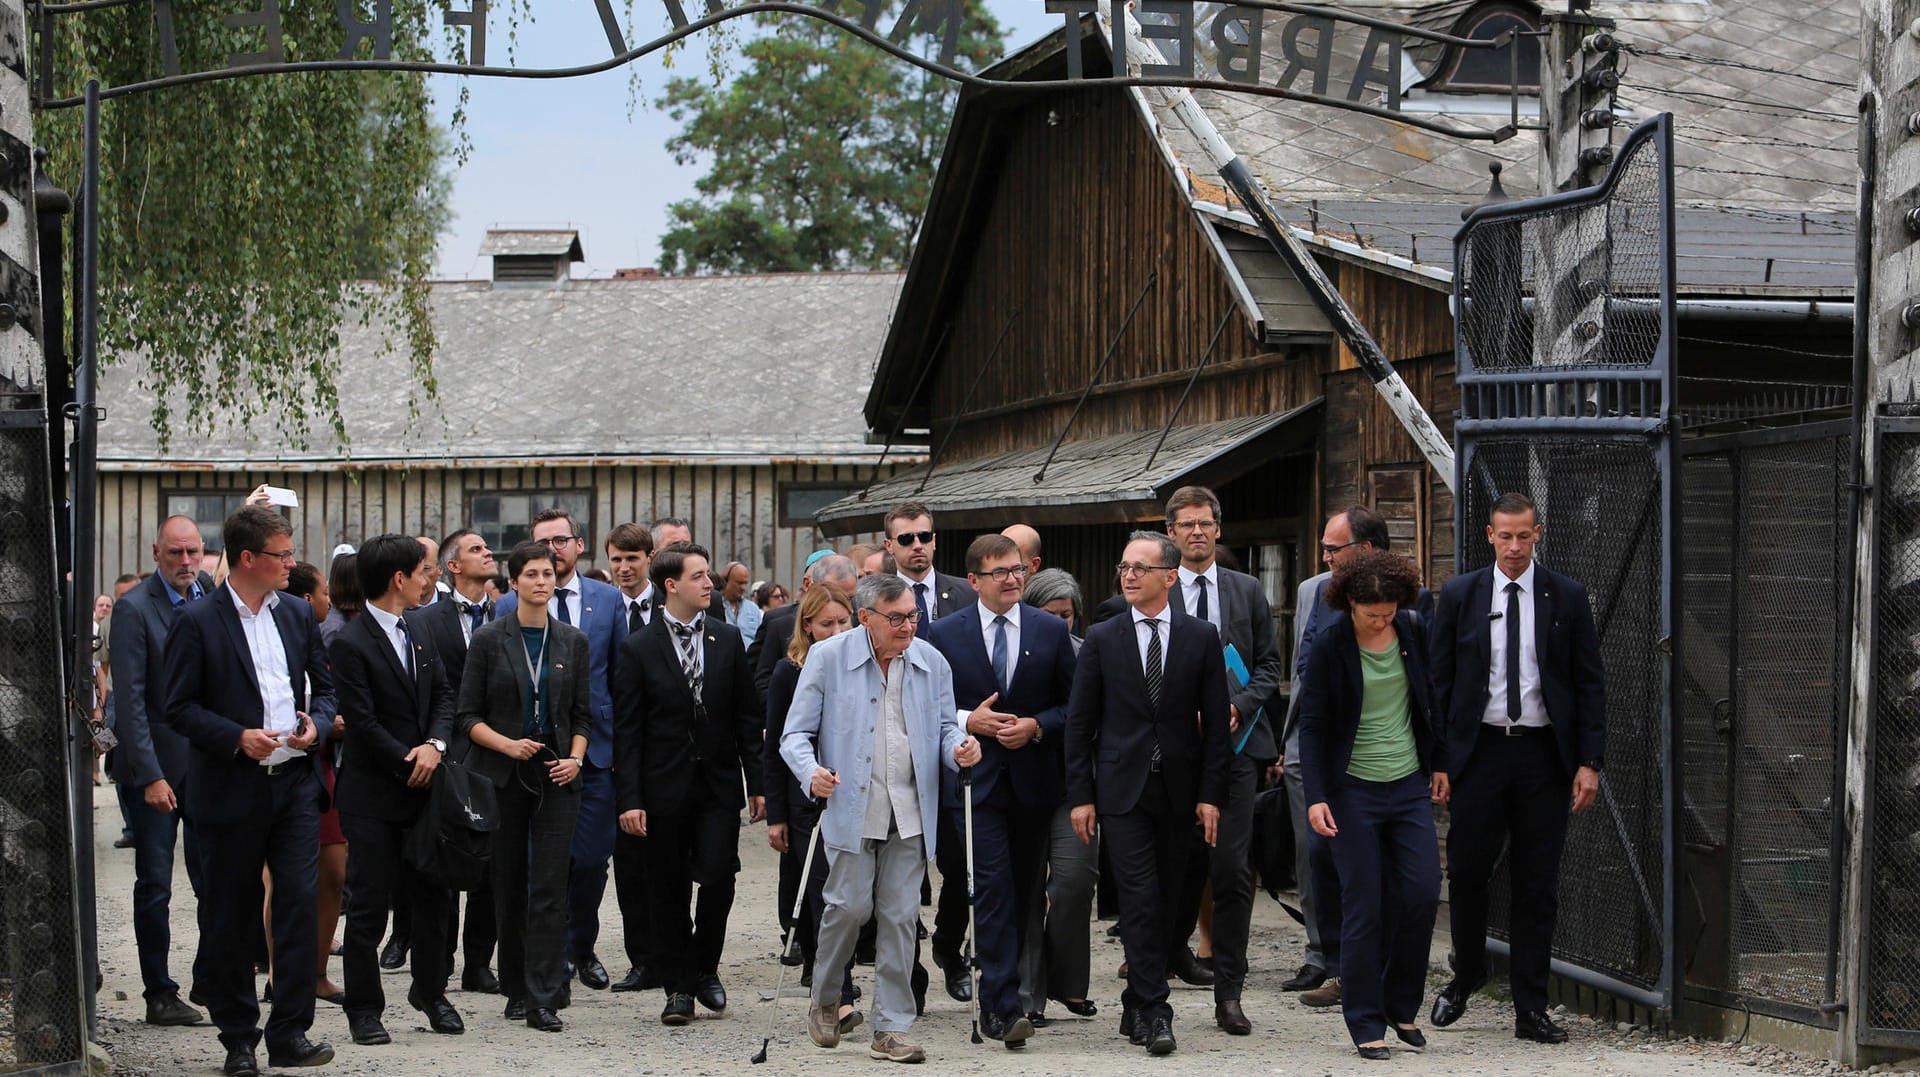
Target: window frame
538,498
844,487
211,540
1444,78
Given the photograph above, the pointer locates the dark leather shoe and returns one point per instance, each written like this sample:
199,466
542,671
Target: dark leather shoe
543,1019
1229,1016
1374,1054
1308,978
240,1063
366,1030
1451,1002
959,986
1412,1037
679,1010
480,980
630,982
298,1052
169,1010
441,1016
592,973
1132,1027
516,1009
711,995
124,841
1191,969
1160,1038
1009,1028
1535,1025
918,981
1085,1007
393,954
1037,1019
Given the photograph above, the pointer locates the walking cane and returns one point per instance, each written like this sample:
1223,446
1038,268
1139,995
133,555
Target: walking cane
973,962
793,940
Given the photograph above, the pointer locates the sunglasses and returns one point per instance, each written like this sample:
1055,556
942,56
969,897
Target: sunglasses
913,538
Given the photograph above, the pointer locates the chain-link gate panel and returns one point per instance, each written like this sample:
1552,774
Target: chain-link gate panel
1891,983
1564,351
42,1009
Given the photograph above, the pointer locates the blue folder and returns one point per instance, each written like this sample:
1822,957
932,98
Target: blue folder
1237,669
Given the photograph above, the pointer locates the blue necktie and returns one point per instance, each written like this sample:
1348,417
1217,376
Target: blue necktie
560,600
406,643
920,599
1000,651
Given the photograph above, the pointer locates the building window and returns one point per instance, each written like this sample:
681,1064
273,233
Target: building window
801,502
505,517
1491,70
208,508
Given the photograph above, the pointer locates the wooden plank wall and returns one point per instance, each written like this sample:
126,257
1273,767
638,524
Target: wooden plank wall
734,510
1368,459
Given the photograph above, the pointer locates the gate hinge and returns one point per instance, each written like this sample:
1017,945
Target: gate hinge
1666,645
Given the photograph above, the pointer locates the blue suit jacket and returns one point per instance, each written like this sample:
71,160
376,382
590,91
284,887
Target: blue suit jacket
1572,681
1333,691
603,619
1042,683
213,696
150,749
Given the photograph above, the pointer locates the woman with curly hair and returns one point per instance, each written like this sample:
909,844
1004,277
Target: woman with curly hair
1366,759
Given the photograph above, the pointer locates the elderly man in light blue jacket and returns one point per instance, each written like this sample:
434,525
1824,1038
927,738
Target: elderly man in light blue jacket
872,722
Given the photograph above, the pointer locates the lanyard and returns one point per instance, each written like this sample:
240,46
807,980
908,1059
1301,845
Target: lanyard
533,664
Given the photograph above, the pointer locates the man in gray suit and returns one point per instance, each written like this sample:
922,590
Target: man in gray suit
152,757
1237,606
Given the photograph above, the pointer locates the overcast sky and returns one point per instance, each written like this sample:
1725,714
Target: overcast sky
586,152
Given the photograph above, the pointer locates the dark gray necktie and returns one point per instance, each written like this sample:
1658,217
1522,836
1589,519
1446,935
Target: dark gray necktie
406,644
1513,651
1000,651
1153,670
687,642
635,622
1200,607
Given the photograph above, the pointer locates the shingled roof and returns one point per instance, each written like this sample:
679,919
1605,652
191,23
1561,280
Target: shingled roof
655,370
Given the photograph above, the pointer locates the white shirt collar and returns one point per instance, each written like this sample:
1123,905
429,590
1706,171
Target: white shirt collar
1500,581
671,619
1212,574
927,579
273,599
645,595
1165,615
385,620
987,615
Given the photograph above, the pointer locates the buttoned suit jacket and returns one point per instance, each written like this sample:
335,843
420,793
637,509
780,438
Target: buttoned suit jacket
389,713
664,747
1042,684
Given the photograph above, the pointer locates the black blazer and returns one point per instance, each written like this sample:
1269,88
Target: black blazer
782,790
495,691
769,646
1572,681
950,594
213,696
1246,618
388,715
150,749
662,749
438,626
1111,729
1333,691
1042,684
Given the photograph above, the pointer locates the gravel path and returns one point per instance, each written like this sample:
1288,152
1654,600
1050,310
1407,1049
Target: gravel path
608,1031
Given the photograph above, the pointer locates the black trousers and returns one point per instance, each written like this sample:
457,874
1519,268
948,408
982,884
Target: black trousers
280,831
531,851
1226,867
1150,846
1516,792
696,843
950,915
636,906
377,875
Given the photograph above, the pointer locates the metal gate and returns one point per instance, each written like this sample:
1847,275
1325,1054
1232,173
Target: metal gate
1764,683
1565,362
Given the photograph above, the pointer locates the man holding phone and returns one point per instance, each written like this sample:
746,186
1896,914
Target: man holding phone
248,686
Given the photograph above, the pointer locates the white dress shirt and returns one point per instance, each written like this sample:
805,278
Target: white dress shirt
644,600
931,581
987,629
1142,636
1533,706
680,650
390,627
1190,590
270,668
466,617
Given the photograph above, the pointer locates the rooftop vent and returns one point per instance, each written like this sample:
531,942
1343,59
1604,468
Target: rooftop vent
531,256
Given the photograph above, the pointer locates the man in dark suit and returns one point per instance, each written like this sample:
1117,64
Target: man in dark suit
671,531
1237,607
1520,695
1013,670
594,608
152,757
686,732
247,684
1147,758
399,711
629,558
769,646
447,626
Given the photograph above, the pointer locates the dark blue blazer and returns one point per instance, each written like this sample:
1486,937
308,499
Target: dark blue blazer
603,618
1572,680
1042,684
213,697
150,749
1332,693
1111,728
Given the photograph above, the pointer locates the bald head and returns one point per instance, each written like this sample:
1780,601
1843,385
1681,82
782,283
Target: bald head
177,551
1029,542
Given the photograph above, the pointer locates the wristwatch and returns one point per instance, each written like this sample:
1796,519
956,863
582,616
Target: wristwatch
1039,732
578,763
438,745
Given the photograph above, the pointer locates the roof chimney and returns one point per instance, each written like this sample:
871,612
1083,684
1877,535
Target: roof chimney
532,257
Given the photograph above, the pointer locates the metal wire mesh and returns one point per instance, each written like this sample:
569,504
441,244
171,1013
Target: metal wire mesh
41,1006
1570,286
1600,500
1892,981
1706,617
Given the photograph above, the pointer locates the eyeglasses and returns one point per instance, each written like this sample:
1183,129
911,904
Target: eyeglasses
913,538
558,541
1128,568
895,620
285,556
1193,525
1329,551
1000,575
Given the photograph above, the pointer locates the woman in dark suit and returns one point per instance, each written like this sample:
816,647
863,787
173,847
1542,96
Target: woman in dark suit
1366,750
526,703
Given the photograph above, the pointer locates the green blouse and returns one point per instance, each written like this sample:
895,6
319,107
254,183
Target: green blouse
1383,747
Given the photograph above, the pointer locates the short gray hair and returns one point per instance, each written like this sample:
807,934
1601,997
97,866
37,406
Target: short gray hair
875,589
1168,551
1052,583
834,568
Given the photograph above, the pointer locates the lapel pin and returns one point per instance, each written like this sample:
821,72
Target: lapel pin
559,665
